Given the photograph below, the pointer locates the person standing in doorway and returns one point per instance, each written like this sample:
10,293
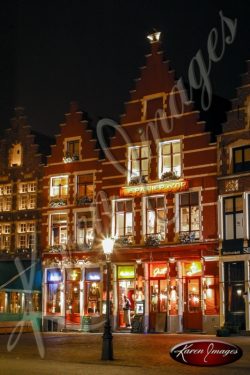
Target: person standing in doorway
126,310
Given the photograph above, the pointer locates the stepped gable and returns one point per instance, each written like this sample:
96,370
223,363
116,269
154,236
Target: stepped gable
19,133
238,117
74,126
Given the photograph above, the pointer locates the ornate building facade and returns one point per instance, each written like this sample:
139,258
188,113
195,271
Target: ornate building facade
233,210
21,171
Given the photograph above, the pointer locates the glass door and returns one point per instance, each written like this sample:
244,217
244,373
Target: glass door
192,316
125,288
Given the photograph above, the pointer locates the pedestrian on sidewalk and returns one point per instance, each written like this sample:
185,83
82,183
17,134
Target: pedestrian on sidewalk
126,310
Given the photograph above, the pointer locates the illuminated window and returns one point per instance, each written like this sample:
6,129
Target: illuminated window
84,229
123,217
85,187
156,216
54,279
59,186
241,159
5,197
58,229
26,235
233,218
15,155
138,165
27,196
5,236
170,159
190,214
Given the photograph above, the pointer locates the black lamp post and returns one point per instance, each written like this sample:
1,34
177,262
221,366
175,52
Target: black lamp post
107,344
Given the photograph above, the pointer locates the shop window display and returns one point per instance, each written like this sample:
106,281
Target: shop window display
54,279
72,294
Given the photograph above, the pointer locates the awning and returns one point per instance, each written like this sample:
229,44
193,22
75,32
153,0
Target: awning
13,280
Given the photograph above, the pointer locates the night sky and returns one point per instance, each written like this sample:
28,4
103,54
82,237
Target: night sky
53,52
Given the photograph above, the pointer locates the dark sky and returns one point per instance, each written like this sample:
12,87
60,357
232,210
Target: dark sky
53,52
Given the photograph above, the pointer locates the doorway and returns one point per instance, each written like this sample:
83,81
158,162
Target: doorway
192,315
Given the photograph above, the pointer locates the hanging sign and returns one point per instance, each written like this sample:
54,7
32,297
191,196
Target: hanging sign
154,188
126,272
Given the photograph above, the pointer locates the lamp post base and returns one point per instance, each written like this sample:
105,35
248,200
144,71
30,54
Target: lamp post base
107,344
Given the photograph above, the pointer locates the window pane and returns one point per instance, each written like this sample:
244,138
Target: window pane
184,219
238,204
119,205
144,151
151,222
176,160
229,205
120,224
229,227
238,156
195,218
247,154
176,147
144,167
151,203
129,205
166,163
184,199
166,149
135,153
160,202
163,296
129,223
194,199
239,225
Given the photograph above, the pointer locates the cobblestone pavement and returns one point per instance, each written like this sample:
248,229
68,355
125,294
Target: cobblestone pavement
79,354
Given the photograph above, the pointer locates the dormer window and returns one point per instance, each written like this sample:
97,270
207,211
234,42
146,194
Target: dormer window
138,164
241,159
15,155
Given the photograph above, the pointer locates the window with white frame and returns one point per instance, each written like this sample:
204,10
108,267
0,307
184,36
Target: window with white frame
5,197
138,162
59,186
84,229
189,214
27,195
5,236
233,217
58,229
123,217
26,235
170,158
156,216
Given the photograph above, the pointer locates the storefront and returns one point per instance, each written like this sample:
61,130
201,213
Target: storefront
158,297
72,297
15,299
126,287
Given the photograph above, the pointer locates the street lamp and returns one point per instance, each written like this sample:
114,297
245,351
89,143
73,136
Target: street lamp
107,345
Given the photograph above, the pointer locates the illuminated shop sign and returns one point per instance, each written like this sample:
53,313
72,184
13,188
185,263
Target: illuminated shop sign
192,269
158,270
126,272
74,274
154,188
54,275
92,274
